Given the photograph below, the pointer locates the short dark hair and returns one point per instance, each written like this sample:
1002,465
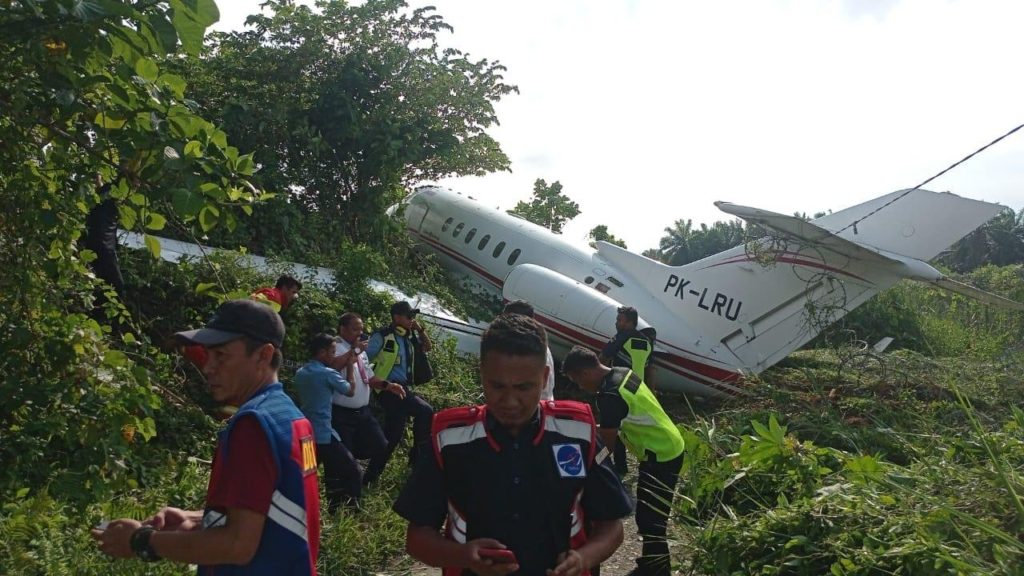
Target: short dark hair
515,335
347,318
252,345
630,313
319,342
579,358
519,307
286,281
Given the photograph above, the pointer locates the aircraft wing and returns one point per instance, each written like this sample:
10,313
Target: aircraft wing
976,293
466,333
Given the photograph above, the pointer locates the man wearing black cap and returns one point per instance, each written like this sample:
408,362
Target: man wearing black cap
262,505
391,350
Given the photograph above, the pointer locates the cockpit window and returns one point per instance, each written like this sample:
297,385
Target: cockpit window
447,224
514,256
458,229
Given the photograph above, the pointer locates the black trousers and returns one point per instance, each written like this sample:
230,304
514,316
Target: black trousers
341,474
362,435
655,488
397,412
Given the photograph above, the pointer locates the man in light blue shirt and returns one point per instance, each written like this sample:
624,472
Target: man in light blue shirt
316,383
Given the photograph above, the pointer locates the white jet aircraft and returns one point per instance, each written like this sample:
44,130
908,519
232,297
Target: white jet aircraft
734,313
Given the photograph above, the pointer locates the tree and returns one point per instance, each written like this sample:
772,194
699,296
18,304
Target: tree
682,244
1000,242
343,108
600,233
85,101
548,207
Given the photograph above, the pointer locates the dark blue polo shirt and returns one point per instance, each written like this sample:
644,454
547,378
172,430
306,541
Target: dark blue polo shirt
615,349
519,514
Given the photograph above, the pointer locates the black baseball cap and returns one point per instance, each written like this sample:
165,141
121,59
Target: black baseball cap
235,319
403,308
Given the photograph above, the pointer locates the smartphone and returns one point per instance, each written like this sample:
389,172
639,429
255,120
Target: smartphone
499,556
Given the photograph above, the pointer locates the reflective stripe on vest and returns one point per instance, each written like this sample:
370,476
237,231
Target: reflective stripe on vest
639,350
646,426
387,358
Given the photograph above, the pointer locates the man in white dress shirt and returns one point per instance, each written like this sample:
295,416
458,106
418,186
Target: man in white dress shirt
351,416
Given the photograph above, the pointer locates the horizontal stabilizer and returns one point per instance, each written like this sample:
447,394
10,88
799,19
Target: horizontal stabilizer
804,231
977,294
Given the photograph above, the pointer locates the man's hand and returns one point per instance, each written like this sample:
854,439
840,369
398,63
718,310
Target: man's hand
417,326
116,540
396,389
570,563
174,519
486,566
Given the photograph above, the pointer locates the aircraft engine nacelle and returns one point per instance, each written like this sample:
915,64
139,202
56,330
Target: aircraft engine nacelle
570,311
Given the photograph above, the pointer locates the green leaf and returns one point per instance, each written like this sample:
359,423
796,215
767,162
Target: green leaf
247,209
153,244
147,69
163,31
778,432
115,358
204,287
244,165
186,203
176,84
194,149
147,428
208,218
111,122
761,430
156,221
127,216
191,23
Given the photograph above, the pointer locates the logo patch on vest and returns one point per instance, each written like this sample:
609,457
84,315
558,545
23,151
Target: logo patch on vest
308,455
569,459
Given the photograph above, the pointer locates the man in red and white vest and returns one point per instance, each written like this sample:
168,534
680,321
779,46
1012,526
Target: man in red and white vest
515,481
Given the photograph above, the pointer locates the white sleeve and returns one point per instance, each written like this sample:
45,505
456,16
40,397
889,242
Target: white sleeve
549,387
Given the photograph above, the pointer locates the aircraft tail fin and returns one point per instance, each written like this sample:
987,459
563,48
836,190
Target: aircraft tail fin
761,306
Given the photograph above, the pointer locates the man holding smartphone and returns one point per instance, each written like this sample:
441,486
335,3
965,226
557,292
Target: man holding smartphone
515,481
262,513
351,415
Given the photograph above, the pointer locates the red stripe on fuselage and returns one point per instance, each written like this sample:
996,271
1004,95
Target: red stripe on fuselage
459,258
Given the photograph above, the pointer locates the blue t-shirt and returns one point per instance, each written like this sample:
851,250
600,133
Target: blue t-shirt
316,383
400,372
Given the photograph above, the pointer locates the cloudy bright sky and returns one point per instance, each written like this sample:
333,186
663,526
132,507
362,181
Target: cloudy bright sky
649,111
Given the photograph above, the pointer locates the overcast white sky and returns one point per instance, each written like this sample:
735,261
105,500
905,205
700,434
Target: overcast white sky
649,111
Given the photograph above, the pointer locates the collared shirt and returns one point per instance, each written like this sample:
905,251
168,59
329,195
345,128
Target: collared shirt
361,376
400,372
315,383
520,511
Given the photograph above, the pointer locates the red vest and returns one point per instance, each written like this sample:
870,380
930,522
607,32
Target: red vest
458,433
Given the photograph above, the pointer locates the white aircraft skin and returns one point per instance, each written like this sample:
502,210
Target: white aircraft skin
718,319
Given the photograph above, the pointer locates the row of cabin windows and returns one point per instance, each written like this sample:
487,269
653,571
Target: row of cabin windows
512,257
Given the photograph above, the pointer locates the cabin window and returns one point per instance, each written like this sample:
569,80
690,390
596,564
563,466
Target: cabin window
447,224
498,249
615,281
484,241
470,234
458,229
588,280
514,256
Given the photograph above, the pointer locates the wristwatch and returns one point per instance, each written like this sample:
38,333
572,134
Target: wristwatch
140,544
